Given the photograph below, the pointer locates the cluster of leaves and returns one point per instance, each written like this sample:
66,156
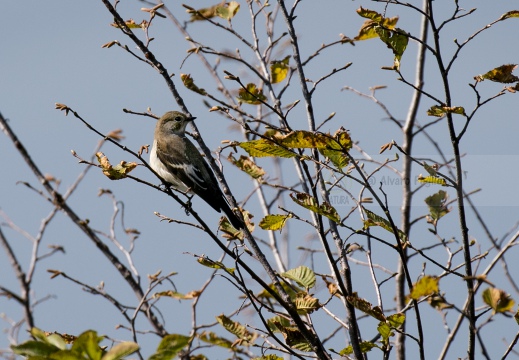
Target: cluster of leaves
84,347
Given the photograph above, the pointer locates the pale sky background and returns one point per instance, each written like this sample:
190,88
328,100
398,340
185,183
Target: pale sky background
51,52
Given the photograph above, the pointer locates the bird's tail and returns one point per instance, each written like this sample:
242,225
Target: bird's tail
235,221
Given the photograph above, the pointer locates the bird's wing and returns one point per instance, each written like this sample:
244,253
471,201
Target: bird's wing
175,160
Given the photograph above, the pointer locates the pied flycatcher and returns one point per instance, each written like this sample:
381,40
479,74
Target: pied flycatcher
179,162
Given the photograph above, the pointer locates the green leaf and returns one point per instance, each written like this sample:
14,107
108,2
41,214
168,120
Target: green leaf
396,320
302,275
274,222
440,111
189,83
248,166
228,10
276,321
236,328
365,346
295,339
309,202
211,338
121,350
427,285
396,40
170,346
437,204
498,300
34,348
432,180
251,95
375,220
385,331
56,340
501,74
431,170
214,264
366,307
264,294
264,147
335,149
88,343
268,357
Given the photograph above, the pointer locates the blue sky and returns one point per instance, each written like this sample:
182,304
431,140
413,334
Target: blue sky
51,53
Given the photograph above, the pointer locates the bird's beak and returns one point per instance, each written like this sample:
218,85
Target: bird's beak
191,118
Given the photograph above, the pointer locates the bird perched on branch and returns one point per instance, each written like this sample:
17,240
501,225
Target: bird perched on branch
179,162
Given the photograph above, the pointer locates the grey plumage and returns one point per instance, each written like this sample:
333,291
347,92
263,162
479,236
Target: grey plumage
174,157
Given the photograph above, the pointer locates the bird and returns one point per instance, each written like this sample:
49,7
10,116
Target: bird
174,157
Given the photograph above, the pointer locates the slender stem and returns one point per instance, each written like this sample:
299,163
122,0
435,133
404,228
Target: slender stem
407,193
471,312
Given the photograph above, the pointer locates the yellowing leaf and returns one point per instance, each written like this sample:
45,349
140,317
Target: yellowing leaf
370,14
279,70
438,302
365,346
396,320
301,139
432,180
274,222
498,300
236,329
212,338
189,83
132,25
302,275
171,345
440,111
375,220
510,14
294,338
427,285
306,304
501,74
368,28
117,172
366,307
280,320
202,14
251,95
248,166
385,331
310,203
176,295
228,10
214,264
263,148
336,150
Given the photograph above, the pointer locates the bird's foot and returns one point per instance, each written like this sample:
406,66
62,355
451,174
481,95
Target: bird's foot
187,207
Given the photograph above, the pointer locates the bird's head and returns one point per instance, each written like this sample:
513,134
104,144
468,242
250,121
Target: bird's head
174,122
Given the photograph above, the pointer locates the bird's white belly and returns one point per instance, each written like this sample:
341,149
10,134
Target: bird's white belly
160,169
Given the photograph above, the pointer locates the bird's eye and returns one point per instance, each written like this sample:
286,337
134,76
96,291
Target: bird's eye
178,118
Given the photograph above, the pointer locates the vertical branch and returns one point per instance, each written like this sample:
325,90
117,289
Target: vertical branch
346,272
470,311
407,193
